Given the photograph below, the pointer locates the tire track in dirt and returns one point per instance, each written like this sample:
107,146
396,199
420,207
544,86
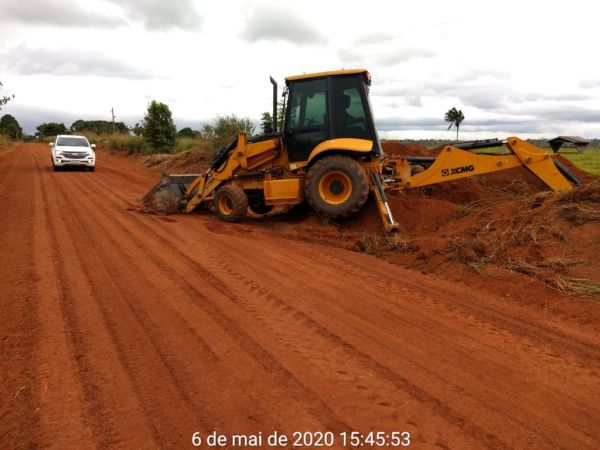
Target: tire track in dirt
244,340
219,285
169,432
204,272
515,323
109,230
508,418
495,313
58,373
208,325
373,333
93,348
19,421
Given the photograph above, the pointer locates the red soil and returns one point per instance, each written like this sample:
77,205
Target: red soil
398,148
129,330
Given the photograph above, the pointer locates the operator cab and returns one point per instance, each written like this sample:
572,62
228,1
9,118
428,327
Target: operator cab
327,105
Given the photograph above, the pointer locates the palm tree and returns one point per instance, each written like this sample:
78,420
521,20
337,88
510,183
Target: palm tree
455,117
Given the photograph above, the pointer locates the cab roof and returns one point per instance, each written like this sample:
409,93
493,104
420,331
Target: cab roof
326,74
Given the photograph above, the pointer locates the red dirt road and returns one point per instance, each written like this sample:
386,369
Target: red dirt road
126,330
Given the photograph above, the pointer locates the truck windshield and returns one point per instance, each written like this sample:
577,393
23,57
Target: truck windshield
72,142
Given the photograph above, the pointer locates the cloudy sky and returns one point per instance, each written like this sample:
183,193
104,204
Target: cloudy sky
514,67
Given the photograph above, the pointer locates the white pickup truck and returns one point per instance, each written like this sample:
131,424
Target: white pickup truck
68,150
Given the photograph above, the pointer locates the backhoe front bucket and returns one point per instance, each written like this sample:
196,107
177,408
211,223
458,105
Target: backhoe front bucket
167,196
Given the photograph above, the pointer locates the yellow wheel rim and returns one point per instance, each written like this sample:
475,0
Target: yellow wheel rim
225,204
335,187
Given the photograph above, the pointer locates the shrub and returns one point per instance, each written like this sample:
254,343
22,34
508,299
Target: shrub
158,128
224,129
4,140
186,144
127,143
10,127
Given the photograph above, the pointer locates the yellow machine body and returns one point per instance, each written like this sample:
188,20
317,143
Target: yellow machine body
265,171
284,187
453,163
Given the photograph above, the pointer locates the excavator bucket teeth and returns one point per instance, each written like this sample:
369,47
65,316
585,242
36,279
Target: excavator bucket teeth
168,194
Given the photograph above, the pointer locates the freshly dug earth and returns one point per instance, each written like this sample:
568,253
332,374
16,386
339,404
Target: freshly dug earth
130,330
503,232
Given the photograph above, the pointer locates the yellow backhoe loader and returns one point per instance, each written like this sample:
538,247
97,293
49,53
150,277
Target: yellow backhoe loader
328,154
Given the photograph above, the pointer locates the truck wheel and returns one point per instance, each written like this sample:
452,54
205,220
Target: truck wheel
256,202
336,186
231,203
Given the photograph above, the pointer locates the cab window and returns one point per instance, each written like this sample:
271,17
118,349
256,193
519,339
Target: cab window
308,105
350,111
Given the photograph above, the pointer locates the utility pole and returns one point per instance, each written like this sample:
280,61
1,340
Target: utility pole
112,112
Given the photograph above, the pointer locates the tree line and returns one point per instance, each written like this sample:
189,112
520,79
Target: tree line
158,129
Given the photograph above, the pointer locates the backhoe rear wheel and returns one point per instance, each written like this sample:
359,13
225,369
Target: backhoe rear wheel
231,203
336,186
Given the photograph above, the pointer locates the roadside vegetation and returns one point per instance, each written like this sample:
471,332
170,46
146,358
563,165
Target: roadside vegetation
156,133
589,160
9,127
4,140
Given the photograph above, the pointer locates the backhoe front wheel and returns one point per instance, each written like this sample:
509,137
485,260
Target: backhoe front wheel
336,186
231,203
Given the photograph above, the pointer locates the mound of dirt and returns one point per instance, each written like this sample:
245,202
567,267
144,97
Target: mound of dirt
398,148
414,212
550,237
394,148
584,176
499,231
184,162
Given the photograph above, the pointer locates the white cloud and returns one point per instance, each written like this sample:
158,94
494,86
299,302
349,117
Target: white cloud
509,73
64,13
22,60
162,14
272,22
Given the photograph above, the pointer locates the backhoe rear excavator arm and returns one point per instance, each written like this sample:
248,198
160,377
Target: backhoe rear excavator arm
454,163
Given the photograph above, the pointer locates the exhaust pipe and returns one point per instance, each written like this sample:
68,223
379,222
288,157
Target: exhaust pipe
274,83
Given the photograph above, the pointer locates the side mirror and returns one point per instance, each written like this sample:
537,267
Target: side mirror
93,145
51,144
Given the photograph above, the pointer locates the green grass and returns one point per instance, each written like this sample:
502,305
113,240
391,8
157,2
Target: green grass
136,145
186,144
589,160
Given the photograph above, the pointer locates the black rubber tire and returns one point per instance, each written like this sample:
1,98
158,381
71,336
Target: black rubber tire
231,203
92,169
260,208
256,202
358,181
